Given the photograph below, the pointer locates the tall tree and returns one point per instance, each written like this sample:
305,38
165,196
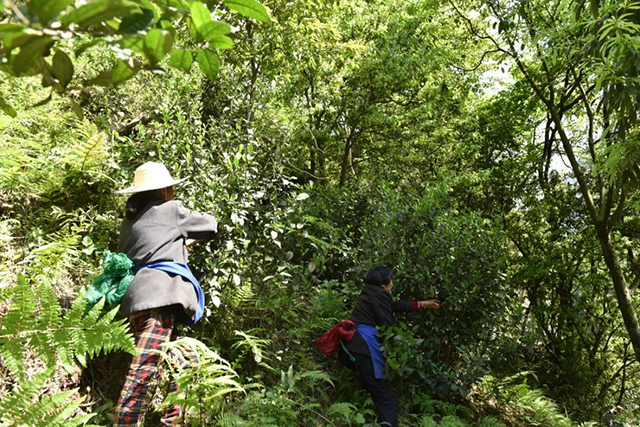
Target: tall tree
581,61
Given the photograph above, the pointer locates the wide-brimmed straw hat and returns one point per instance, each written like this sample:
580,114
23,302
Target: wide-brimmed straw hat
151,176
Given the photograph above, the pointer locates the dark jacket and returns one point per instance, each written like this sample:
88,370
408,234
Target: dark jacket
158,233
374,307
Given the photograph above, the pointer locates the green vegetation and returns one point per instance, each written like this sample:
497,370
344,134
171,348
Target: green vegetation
486,150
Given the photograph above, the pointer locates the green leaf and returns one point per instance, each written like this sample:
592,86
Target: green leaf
181,59
43,102
99,11
250,8
158,12
136,22
120,73
46,10
81,47
9,27
62,68
214,28
209,63
77,109
8,109
14,39
157,43
200,14
135,43
220,42
30,53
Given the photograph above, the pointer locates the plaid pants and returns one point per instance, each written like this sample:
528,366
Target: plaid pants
151,328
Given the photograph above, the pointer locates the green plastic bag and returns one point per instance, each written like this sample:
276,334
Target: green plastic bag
113,282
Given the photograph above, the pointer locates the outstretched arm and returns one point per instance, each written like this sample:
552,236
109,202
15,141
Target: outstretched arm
195,225
404,306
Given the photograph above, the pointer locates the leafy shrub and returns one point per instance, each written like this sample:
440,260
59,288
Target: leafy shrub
439,252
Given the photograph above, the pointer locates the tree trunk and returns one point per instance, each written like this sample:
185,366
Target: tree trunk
346,157
625,302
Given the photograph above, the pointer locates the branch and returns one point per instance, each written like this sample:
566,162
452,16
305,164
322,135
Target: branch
19,14
468,70
473,30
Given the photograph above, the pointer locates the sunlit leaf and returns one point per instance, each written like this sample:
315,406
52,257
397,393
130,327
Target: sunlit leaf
181,59
120,73
99,11
214,28
250,8
220,42
82,47
157,43
209,63
77,109
14,39
135,43
200,14
8,27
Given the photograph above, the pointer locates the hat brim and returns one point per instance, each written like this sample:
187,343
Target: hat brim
140,189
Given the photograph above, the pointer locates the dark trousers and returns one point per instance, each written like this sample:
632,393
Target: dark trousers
383,396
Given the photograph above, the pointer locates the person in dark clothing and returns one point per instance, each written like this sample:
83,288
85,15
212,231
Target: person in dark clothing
374,308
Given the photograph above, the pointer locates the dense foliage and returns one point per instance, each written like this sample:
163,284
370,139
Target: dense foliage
485,150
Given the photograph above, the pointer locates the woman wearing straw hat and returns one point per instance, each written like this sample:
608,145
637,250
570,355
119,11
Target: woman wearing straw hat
164,291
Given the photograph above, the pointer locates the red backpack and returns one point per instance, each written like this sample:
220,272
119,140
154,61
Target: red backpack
330,340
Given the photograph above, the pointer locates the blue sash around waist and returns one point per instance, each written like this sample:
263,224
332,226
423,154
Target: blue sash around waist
371,337
183,270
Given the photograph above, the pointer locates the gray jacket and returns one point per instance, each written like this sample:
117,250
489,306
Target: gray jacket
158,233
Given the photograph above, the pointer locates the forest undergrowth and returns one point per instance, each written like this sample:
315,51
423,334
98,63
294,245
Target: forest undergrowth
335,139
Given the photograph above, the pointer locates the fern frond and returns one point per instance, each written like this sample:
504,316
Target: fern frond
55,256
19,318
18,403
34,321
230,420
61,410
341,409
23,408
317,376
86,335
255,344
240,295
453,421
490,422
428,421
89,153
201,382
49,317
